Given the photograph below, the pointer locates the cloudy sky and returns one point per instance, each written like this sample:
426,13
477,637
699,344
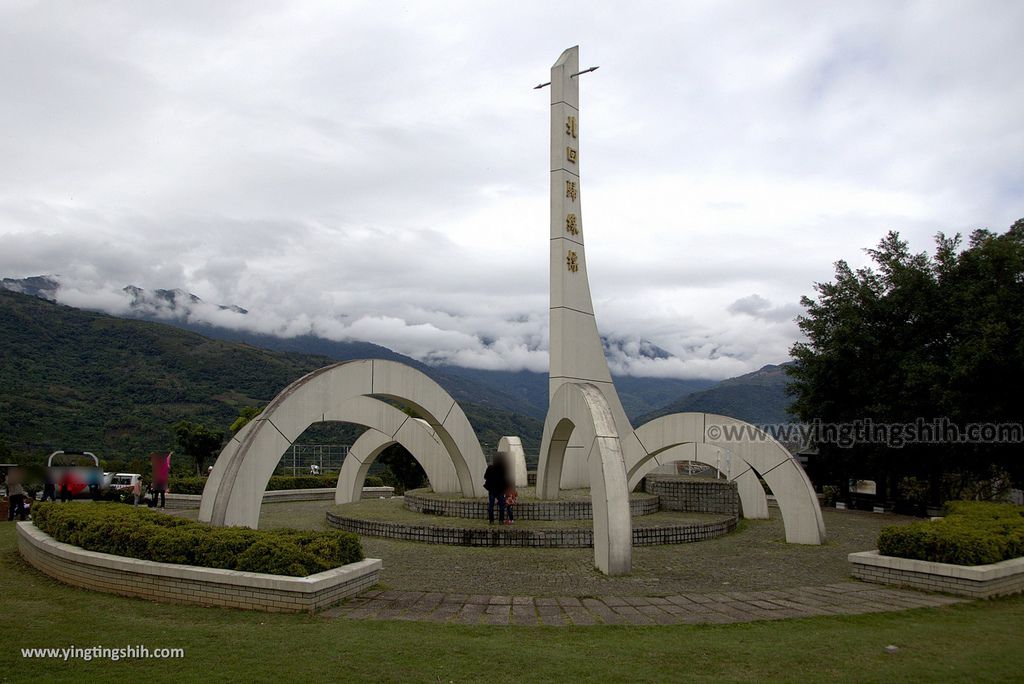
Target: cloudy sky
378,171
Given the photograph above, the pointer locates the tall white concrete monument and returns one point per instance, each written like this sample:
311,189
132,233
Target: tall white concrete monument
588,440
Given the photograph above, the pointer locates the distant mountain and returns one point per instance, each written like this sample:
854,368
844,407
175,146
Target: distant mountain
177,301
638,395
43,287
78,379
518,392
759,397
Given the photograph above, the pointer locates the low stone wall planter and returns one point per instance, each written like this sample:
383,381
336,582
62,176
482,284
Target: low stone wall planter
189,501
695,495
580,537
190,584
424,501
975,581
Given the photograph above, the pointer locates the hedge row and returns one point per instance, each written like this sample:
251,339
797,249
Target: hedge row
148,535
972,533
194,485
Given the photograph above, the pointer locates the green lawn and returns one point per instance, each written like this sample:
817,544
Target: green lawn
977,641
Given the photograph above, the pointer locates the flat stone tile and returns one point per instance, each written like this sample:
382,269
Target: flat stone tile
633,616
580,616
569,601
496,615
546,601
456,598
524,615
679,600
552,618
501,600
470,613
614,601
658,615
637,601
445,610
522,600
481,599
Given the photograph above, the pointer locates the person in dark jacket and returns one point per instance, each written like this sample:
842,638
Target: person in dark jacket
496,484
15,496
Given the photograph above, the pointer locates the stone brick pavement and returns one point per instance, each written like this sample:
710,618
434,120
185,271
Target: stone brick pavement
843,598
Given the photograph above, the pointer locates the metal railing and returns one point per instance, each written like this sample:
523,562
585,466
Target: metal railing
299,457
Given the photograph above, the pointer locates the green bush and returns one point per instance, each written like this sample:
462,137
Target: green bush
373,481
195,485
149,535
972,533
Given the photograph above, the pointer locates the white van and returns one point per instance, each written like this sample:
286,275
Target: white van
118,481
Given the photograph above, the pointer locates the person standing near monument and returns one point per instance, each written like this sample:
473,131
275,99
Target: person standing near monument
15,496
496,484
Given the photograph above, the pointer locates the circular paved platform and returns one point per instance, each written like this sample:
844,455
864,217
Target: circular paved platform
655,529
845,598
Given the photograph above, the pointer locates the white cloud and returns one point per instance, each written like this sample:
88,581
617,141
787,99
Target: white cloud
378,170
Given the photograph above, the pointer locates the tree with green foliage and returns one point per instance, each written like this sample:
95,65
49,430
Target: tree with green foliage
401,470
244,416
917,336
198,441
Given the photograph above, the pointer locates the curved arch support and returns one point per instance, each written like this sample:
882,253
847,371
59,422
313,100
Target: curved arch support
579,411
513,446
801,514
340,392
418,439
357,464
752,497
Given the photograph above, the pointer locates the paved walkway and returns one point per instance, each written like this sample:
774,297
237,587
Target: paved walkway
844,598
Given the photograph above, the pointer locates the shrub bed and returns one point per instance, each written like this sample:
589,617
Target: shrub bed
972,533
148,535
194,485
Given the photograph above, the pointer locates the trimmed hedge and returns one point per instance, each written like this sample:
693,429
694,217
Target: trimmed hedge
972,533
194,485
148,535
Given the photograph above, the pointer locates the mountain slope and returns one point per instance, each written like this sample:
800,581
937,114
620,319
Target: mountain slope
78,379
520,392
759,397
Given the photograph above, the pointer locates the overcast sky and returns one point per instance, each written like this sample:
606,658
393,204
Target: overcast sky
379,171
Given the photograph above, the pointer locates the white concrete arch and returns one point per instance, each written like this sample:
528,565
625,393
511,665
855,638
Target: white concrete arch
581,409
340,392
513,446
801,514
417,437
752,497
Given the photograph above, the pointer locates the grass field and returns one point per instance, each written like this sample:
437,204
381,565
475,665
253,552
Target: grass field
972,642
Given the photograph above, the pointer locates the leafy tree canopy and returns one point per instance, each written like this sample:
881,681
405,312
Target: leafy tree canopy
919,335
198,441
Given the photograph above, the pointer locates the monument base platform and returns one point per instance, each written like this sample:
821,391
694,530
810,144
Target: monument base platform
571,505
389,519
